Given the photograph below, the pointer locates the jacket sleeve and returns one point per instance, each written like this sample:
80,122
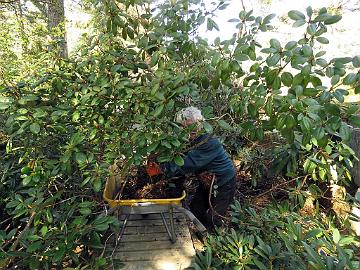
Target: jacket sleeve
194,161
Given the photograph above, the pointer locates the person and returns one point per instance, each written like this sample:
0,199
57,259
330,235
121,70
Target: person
211,163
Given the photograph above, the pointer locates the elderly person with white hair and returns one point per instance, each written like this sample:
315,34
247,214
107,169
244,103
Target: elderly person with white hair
207,156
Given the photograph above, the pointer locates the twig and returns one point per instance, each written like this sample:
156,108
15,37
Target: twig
280,185
107,239
27,227
243,6
211,207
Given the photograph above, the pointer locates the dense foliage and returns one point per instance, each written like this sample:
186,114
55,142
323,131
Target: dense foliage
279,238
116,98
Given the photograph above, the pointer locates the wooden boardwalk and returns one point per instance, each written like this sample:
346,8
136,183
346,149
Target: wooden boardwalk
145,245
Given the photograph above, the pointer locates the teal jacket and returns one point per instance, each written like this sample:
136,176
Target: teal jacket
207,156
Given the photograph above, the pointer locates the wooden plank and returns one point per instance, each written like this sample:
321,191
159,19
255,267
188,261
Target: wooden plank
149,237
145,244
149,245
156,265
153,229
155,255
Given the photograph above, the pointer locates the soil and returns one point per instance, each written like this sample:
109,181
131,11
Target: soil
142,186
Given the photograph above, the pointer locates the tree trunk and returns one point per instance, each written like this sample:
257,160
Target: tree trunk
56,19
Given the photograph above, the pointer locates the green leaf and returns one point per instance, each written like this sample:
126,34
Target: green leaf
290,121
311,29
33,247
76,116
35,128
356,61
158,110
268,18
332,109
347,240
342,60
44,230
309,11
357,89
208,128
306,70
355,120
290,45
275,44
259,264
259,133
215,59
273,60
316,81
102,227
179,161
339,95
276,83
305,124
322,40
97,185
212,24
321,62
344,132
4,106
154,59
224,125
296,15
299,23
333,19
241,57
350,78
85,211
336,235
335,79
80,157
307,50
319,133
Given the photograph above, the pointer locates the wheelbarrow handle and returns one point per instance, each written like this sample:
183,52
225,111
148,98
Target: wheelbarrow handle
192,218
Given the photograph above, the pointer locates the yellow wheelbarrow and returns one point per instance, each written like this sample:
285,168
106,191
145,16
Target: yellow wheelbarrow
146,206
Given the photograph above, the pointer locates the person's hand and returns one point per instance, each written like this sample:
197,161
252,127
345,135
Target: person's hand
152,157
152,168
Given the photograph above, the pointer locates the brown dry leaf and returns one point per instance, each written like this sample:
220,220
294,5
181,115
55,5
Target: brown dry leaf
308,208
79,249
261,201
339,205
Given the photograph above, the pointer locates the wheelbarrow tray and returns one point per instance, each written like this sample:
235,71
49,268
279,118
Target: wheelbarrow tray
146,206
141,206
113,186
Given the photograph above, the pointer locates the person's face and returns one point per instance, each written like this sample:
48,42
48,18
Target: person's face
186,123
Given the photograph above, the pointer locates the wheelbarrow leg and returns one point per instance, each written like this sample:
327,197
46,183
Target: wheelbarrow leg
123,227
172,238
171,214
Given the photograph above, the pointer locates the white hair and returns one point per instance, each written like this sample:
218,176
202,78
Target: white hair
190,113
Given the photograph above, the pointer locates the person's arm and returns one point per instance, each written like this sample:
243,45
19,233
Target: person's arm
194,161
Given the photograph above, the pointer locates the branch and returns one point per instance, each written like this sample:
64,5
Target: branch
27,227
7,1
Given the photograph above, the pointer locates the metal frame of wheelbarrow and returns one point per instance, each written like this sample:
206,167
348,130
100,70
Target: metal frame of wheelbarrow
148,206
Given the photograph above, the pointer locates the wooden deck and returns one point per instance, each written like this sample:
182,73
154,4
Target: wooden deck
145,245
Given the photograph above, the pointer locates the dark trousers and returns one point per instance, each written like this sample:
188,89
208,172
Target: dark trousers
220,203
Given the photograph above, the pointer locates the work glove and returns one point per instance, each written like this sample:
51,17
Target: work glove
152,168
